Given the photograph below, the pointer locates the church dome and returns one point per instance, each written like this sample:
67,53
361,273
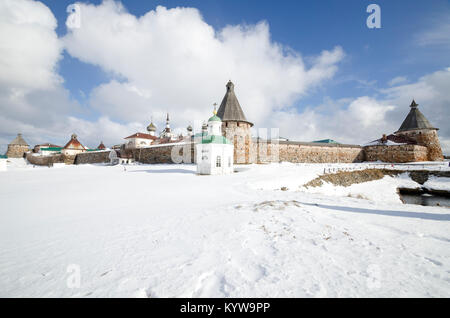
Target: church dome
151,127
214,118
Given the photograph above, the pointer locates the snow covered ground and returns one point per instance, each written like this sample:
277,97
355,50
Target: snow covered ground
162,231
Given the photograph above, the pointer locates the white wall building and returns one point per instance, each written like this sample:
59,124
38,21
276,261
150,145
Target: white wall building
49,151
139,140
214,151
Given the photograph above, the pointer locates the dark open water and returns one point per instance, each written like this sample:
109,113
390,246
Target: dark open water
426,199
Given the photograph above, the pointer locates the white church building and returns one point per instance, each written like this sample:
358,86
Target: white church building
214,151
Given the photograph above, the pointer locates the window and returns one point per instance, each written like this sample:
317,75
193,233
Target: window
218,162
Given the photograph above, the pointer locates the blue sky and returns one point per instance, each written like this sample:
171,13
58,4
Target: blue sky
311,69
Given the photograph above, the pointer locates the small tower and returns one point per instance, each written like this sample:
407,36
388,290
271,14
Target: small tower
73,147
151,128
17,148
189,131
167,132
214,152
235,126
417,127
205,128
101,146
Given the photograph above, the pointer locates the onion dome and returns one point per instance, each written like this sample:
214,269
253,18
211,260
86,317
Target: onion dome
215,117
151,127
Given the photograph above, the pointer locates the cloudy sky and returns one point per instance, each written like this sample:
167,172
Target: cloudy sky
313,69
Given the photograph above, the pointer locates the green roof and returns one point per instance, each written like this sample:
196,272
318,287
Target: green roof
326,141
51,149
202,134
92,149
215,140
215,118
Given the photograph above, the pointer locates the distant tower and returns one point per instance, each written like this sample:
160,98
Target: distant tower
235,126
214,152
151,128
101,146
189,131
167,132
17,148
204,128
416,126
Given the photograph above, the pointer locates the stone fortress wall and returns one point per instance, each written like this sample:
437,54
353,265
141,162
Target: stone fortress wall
92,157
170,153
397,153
304,152
237,129
240,135
429,139
258,152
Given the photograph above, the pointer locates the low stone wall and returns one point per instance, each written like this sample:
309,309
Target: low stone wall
171,153
45,160
396,153
92,157
304,152
347,178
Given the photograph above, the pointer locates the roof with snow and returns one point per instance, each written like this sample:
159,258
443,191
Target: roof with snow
392,140
142,135
19,141
230,109
74,143
415,119
48,145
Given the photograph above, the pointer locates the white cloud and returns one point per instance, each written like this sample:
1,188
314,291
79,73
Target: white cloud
29,47
32,98
438,33
357,121
363,119
172,60
398,80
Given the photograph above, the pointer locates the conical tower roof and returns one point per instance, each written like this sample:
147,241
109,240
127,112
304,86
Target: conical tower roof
19,141
230,109
415,120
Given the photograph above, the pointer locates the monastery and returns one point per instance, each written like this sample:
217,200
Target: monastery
415,140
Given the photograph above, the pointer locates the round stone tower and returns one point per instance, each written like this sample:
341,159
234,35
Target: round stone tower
235,127
417,127
17,148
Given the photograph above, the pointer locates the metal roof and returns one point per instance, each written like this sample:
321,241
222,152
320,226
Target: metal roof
326,141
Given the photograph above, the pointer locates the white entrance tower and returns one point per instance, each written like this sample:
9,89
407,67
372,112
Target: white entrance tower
214,152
